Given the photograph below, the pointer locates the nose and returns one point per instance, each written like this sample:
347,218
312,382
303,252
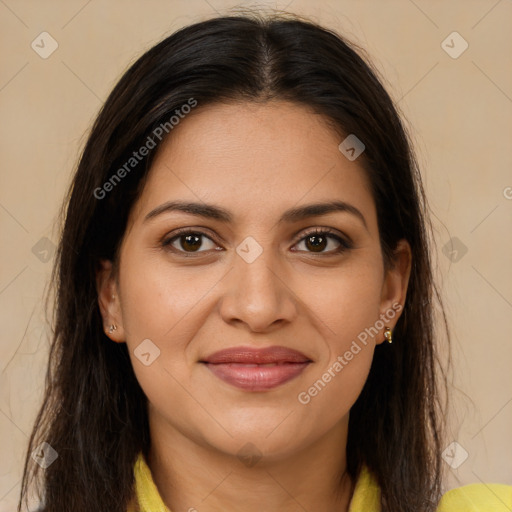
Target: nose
258,295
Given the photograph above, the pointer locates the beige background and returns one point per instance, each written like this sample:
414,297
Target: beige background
461,113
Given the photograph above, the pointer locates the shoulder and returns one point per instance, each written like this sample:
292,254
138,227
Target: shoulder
477,498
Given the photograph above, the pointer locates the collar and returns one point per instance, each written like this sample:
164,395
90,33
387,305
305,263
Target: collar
366,495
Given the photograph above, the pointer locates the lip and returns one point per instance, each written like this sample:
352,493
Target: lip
256,369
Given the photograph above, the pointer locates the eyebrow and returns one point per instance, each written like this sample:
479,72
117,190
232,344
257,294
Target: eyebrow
292,215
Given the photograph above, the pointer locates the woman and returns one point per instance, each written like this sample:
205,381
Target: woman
244,315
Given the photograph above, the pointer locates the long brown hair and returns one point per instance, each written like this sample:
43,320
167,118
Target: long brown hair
94,412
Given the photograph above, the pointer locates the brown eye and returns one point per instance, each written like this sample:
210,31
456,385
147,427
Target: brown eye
189,242
192,242
316,243
323,242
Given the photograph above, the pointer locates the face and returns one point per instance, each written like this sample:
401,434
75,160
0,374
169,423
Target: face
301,294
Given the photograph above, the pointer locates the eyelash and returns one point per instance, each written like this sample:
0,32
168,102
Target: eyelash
344,244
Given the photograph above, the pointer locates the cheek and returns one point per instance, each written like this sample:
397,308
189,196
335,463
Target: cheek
159,300
335,388
347,304
166,306
348,309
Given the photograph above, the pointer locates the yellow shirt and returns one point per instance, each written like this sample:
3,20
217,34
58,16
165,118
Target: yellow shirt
470,498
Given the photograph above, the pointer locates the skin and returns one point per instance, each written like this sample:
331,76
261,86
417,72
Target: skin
255,160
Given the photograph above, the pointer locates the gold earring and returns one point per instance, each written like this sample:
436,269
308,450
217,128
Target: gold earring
112,328
387,334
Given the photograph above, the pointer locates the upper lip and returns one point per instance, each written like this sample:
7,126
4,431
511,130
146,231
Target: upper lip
250,355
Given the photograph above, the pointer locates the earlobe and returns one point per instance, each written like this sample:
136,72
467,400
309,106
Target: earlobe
394,288
108,302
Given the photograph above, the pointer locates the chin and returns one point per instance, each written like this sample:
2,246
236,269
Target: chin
251,451
258,441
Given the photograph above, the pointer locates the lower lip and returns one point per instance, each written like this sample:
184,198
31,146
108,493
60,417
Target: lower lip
256,377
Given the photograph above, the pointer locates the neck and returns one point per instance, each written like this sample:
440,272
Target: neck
193,477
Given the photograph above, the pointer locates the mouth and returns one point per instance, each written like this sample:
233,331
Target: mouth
256,369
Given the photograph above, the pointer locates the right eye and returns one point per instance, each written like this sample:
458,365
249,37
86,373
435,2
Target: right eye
188,242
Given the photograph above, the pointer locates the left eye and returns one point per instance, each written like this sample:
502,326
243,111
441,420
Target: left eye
319,241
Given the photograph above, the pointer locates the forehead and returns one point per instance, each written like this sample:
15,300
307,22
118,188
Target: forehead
264,156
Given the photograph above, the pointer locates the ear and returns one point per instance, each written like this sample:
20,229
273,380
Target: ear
108,300
394,288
